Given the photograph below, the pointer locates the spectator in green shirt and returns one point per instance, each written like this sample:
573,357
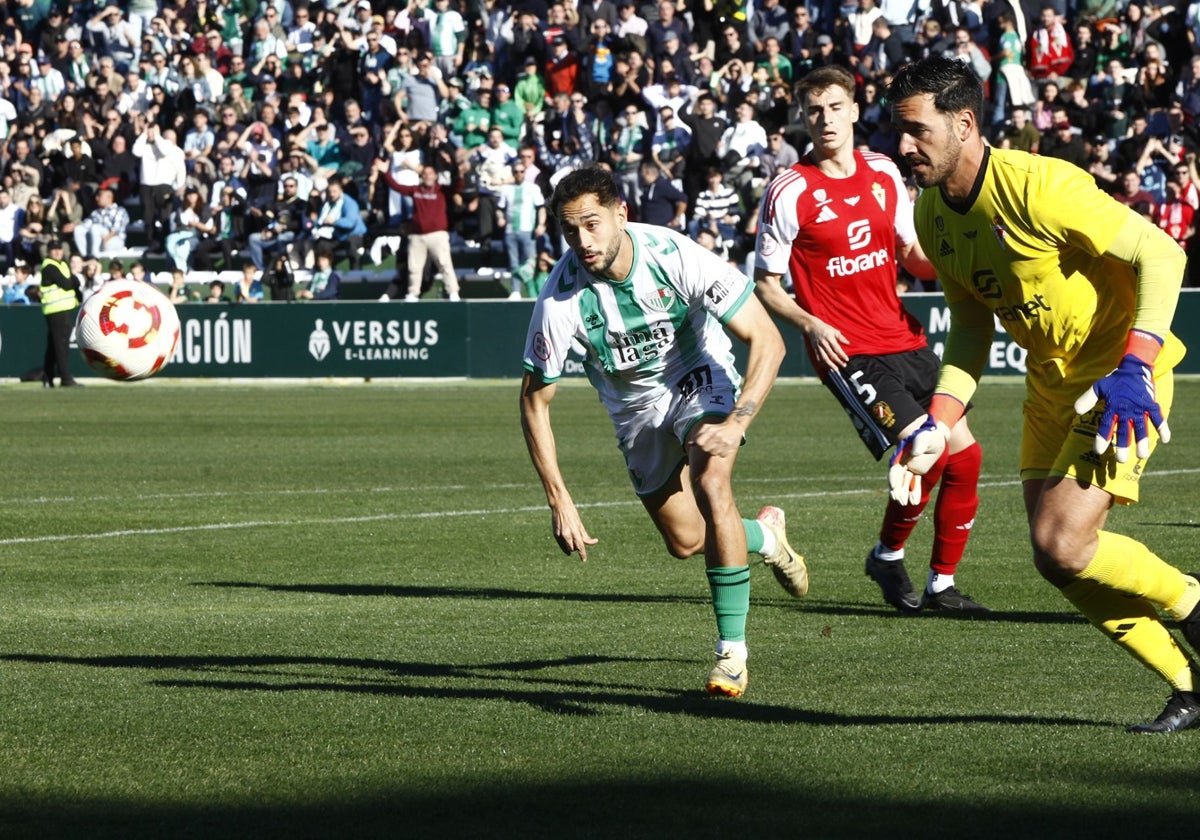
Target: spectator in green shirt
530,93
474,121
507,115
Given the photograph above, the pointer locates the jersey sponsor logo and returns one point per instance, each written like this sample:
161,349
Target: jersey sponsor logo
717,292
1029,310
987,284
852,200
858,234
640,345
695,381
849,266
821,197
541,346
971,234
944,250
660,300
826,215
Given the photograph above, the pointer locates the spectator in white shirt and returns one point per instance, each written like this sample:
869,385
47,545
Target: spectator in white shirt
740,146
163,175
302,33
671,93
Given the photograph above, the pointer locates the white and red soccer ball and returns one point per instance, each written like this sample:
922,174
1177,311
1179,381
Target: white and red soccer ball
127,330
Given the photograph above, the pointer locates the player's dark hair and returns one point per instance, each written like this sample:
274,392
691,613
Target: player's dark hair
953,83
823,78
587,180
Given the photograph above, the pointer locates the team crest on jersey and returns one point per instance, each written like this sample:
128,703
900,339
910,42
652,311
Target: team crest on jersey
1000,231
884,414
659,300
880,194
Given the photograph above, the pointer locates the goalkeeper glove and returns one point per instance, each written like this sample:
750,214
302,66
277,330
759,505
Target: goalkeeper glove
1128,394
916,454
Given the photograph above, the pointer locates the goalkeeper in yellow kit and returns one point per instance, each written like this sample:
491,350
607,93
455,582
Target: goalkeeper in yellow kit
1088,288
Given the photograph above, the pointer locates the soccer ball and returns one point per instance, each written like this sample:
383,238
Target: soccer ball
127,330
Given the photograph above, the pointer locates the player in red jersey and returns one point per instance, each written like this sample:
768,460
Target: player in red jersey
835,222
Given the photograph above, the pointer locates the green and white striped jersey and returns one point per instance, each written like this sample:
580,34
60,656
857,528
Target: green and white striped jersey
644,334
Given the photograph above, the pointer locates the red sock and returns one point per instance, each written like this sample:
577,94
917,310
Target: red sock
899,520
954,514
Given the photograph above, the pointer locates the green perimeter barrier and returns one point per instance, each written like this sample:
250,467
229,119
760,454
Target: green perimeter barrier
476,338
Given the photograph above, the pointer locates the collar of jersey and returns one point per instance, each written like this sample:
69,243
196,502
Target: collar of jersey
961,207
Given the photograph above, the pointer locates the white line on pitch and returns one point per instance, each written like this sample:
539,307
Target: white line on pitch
445,514
432,488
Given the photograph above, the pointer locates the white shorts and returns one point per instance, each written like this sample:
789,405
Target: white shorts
651,438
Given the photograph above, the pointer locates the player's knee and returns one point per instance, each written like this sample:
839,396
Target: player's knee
712,489
1059,553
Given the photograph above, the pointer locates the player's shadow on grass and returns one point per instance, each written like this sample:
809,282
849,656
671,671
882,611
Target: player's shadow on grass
518,681
645,806
487,594
884,611
814,607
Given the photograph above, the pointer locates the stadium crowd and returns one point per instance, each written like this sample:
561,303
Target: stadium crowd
235,132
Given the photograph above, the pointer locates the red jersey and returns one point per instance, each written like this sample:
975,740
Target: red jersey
837,238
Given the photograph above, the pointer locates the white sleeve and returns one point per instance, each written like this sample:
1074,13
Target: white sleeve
720,287
906,229
551,334
778,223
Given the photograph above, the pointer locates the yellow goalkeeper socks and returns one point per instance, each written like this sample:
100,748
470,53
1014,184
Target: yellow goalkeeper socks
1127,566
1133,624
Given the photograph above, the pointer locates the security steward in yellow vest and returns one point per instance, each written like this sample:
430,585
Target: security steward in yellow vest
60,295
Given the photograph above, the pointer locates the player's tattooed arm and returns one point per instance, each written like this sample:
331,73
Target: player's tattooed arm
745,410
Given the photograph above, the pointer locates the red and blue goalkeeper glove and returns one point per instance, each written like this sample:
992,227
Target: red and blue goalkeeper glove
1129,399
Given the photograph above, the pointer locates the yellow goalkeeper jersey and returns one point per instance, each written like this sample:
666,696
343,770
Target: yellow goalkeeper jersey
1031,246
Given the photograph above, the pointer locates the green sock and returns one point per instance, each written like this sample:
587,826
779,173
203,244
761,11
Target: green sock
754,535
730,587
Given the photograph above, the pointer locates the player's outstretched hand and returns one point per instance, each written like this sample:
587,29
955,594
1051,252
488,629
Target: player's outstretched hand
570,532
827,344
915,456
1129,401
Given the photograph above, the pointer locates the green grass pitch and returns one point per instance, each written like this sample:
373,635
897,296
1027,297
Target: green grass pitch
336,610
